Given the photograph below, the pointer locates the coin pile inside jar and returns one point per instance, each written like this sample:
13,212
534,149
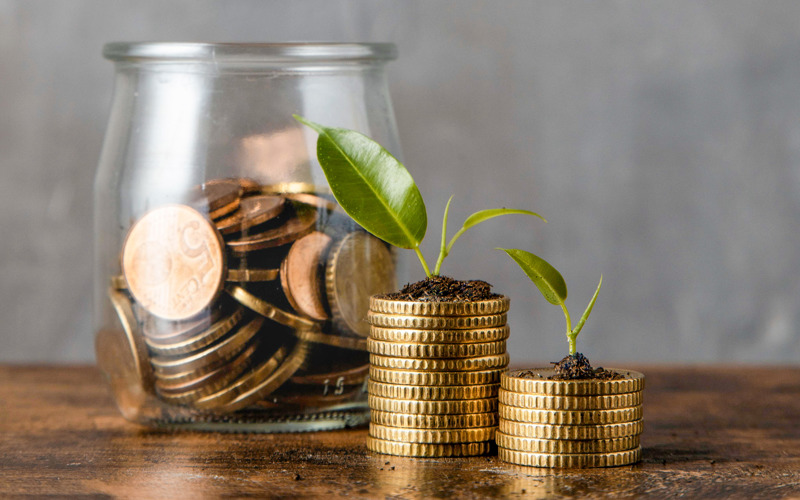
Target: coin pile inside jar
434,376
569,423
250,296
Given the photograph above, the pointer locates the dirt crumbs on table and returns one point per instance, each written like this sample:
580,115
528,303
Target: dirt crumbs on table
443,289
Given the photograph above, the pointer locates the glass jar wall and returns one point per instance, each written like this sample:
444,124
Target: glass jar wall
230,288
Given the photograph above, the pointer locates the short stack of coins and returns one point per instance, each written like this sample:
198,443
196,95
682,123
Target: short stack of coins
434,376
247,297
569,423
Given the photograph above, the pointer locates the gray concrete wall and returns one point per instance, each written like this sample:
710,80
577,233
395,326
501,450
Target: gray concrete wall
661,140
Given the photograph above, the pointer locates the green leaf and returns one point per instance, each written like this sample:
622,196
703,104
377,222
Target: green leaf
588,310
371,185
484,215
546,278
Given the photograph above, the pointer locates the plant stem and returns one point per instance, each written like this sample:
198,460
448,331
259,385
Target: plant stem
443,250
572,344
422,260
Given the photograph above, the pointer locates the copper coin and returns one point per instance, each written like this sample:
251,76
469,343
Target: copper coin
217,193
294,228
225,209
358,267
252,211
300,277
173,262
315,201
249,186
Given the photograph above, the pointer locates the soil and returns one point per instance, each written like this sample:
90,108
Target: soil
443,289
578,367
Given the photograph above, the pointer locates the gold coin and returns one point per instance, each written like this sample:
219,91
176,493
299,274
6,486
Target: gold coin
540,383
427,450
290,395
398,349
225,209
571,432
250,275
181,345
435,322
612,402
118,282
257,384
532,445
440,364
208,383
439,336
416,421
298,226
267,310
359,266
432,393
122,354
173,262
443,407
572,461
421,308
289,187
213,355
253,211
408,377
348,376
566,417
432,436
315,336
300,278
166,332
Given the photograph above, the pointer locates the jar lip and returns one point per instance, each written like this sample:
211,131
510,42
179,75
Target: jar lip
304,52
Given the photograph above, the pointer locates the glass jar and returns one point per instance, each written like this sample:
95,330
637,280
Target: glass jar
230,289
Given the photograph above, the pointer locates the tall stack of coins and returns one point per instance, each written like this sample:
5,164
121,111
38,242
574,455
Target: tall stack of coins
569,423
248,297
434,376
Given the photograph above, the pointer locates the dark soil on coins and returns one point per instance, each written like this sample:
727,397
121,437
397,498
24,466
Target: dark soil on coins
577,367
444,289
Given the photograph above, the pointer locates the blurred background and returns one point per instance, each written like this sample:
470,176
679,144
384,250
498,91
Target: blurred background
661,140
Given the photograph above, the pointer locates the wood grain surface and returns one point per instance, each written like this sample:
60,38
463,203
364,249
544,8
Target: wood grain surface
710,433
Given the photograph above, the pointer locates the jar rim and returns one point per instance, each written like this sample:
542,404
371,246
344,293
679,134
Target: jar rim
304,52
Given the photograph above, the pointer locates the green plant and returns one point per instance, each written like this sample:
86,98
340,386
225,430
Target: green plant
377,191
553,287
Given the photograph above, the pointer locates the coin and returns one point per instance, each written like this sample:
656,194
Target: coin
532,445
249,275
433,436
347,376
439,336
416,421
213,355
614,459
127,358
406,350
267,310
180,345
209,383
436,322
408,377
194,379
257,384
225,209
541,402
292,396
513,381
289,187
300,277
249,186
296,227
216,193
427,450
440,364
315,201
253,210
432,393
566,417
359,266
422,308
118,282
315,336
166,332
443,407
571,432
173,262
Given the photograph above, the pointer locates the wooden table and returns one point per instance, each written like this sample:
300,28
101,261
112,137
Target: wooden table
710,432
